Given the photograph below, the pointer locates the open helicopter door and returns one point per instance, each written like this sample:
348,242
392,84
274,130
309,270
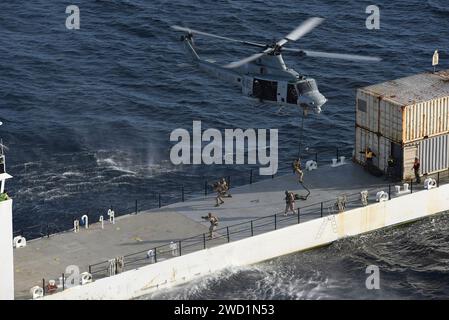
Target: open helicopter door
265,90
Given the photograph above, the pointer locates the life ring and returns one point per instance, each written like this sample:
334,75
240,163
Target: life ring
19,242
311,165
36,292
381,196
430,183
85,278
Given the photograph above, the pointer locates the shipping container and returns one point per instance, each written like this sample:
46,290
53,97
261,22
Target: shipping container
426,119
379,115
433,154
405,118
407,109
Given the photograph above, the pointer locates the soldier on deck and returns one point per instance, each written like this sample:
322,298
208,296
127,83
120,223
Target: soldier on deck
225,188
213,224
369,156
391,164
219,190
289,202
415,168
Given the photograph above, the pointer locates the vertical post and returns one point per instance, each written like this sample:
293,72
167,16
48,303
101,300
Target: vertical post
155,255
205,188
90,269
48,231
338,154
227,232
275,222
411,185
160,202
299,216
7,253
204,240
251,176
316,157
252,229
63,280
438,179
179,247
43,286
389,191
321,209
135,208
182,193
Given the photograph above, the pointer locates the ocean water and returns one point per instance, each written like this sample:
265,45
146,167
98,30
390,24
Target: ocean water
87,114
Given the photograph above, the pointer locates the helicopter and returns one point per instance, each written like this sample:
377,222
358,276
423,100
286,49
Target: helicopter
264,75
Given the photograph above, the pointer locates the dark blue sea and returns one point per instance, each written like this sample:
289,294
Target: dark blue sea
87,116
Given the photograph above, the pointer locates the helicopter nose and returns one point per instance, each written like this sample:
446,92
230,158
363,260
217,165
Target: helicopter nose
312,101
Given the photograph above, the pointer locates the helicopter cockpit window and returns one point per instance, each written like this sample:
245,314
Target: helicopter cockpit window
306,86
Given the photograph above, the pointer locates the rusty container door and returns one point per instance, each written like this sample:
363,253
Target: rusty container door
434,154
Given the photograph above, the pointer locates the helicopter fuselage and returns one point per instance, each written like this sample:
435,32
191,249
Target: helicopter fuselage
267,79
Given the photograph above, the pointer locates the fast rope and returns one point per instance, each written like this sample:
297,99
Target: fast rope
301,130
308,192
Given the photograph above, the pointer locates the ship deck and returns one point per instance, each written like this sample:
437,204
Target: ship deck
47,258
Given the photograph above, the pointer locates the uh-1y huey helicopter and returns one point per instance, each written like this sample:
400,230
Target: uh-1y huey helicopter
264,75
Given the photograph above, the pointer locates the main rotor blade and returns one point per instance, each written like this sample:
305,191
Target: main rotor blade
329,55
301,30
193,31
253,57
